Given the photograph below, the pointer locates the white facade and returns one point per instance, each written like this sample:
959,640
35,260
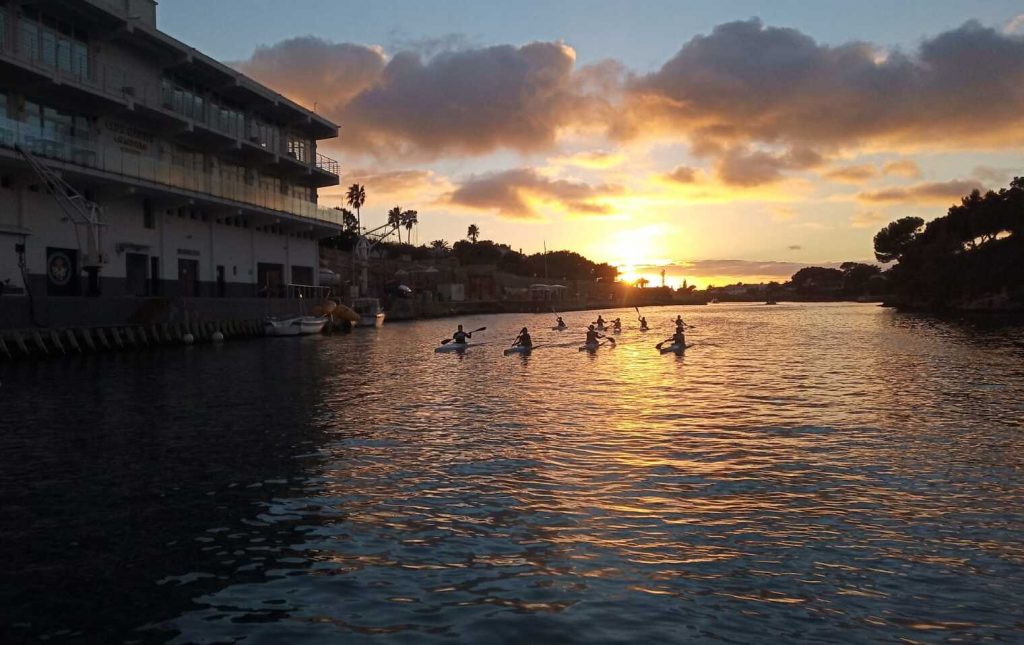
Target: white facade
207,182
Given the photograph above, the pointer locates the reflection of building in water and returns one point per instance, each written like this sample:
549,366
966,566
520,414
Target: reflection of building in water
206,181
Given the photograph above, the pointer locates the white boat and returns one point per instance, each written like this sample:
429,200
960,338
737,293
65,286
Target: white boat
294,325
370,313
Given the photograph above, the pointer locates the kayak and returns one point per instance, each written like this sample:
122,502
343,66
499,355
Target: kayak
616,330
454,347
645,328
674,348
519,349
599,327
589,347
560,328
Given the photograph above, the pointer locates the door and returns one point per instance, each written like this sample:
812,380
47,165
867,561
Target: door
154,276
135,267
188,278
222,288
270,280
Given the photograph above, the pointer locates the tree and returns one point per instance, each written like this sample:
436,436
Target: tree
892,241
356,197
349,222
473,232
642,283
409,219
440,248
395,220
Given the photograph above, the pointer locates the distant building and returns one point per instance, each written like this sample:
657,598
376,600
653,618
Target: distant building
206,180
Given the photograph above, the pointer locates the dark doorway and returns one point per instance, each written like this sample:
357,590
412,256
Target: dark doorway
222,287
135,266
270,280
302,275
62,277
154,276
188,278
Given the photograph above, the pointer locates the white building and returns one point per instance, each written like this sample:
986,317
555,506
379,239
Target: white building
207,181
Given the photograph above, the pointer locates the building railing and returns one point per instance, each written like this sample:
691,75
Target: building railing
92,154
325,163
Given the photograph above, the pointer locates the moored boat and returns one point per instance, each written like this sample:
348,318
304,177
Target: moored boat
294,325
369,311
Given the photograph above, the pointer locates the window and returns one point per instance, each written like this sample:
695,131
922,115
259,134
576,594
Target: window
28,37
298,148
148,219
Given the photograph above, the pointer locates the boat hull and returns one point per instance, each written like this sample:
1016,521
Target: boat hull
294,326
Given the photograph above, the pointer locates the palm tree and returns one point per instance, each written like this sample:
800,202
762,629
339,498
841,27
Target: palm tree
395,220
409,219
356,198
642,282
473,232
440,246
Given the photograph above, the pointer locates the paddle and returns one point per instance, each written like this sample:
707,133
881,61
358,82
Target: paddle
658,346
468,333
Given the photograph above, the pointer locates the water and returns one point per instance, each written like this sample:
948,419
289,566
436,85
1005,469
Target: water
811,473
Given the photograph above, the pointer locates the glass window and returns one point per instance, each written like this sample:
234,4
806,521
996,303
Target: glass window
79,59
64,54
29,38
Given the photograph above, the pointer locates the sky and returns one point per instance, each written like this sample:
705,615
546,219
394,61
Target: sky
721,141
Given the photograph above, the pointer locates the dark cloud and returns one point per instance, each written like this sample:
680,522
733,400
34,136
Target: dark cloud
938,191
740,167
470,101
993,175
682,175
743,86
747,82
509,194
851,174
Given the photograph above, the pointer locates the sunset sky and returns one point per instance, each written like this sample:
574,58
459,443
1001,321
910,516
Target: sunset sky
725,140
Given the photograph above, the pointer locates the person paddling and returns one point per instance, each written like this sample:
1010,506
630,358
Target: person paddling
460,337
643,323
600,322
617,325
678,339
560,322
679,321
523,339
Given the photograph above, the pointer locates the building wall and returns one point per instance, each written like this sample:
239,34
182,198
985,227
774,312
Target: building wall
177,233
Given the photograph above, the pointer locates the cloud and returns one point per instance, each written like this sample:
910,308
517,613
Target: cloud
747,82
1015,25
314,71
740,167
682,175
868,219
592,159
510,193
795,247
993,175
942,192
471,101
902,168
851,174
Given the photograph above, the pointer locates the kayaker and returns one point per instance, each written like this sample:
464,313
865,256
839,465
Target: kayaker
600,321
523,339
643,323
679,321
617,325
679,338
560,322
593,338
460,336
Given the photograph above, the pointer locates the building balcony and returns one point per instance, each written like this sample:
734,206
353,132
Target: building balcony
133,168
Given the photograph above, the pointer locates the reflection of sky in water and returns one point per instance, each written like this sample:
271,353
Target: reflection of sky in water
832,472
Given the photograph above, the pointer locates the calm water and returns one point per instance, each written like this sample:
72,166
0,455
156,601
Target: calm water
806,473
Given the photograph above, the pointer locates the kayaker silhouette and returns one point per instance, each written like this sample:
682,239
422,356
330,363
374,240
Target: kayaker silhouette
461,336
523,339
643,323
